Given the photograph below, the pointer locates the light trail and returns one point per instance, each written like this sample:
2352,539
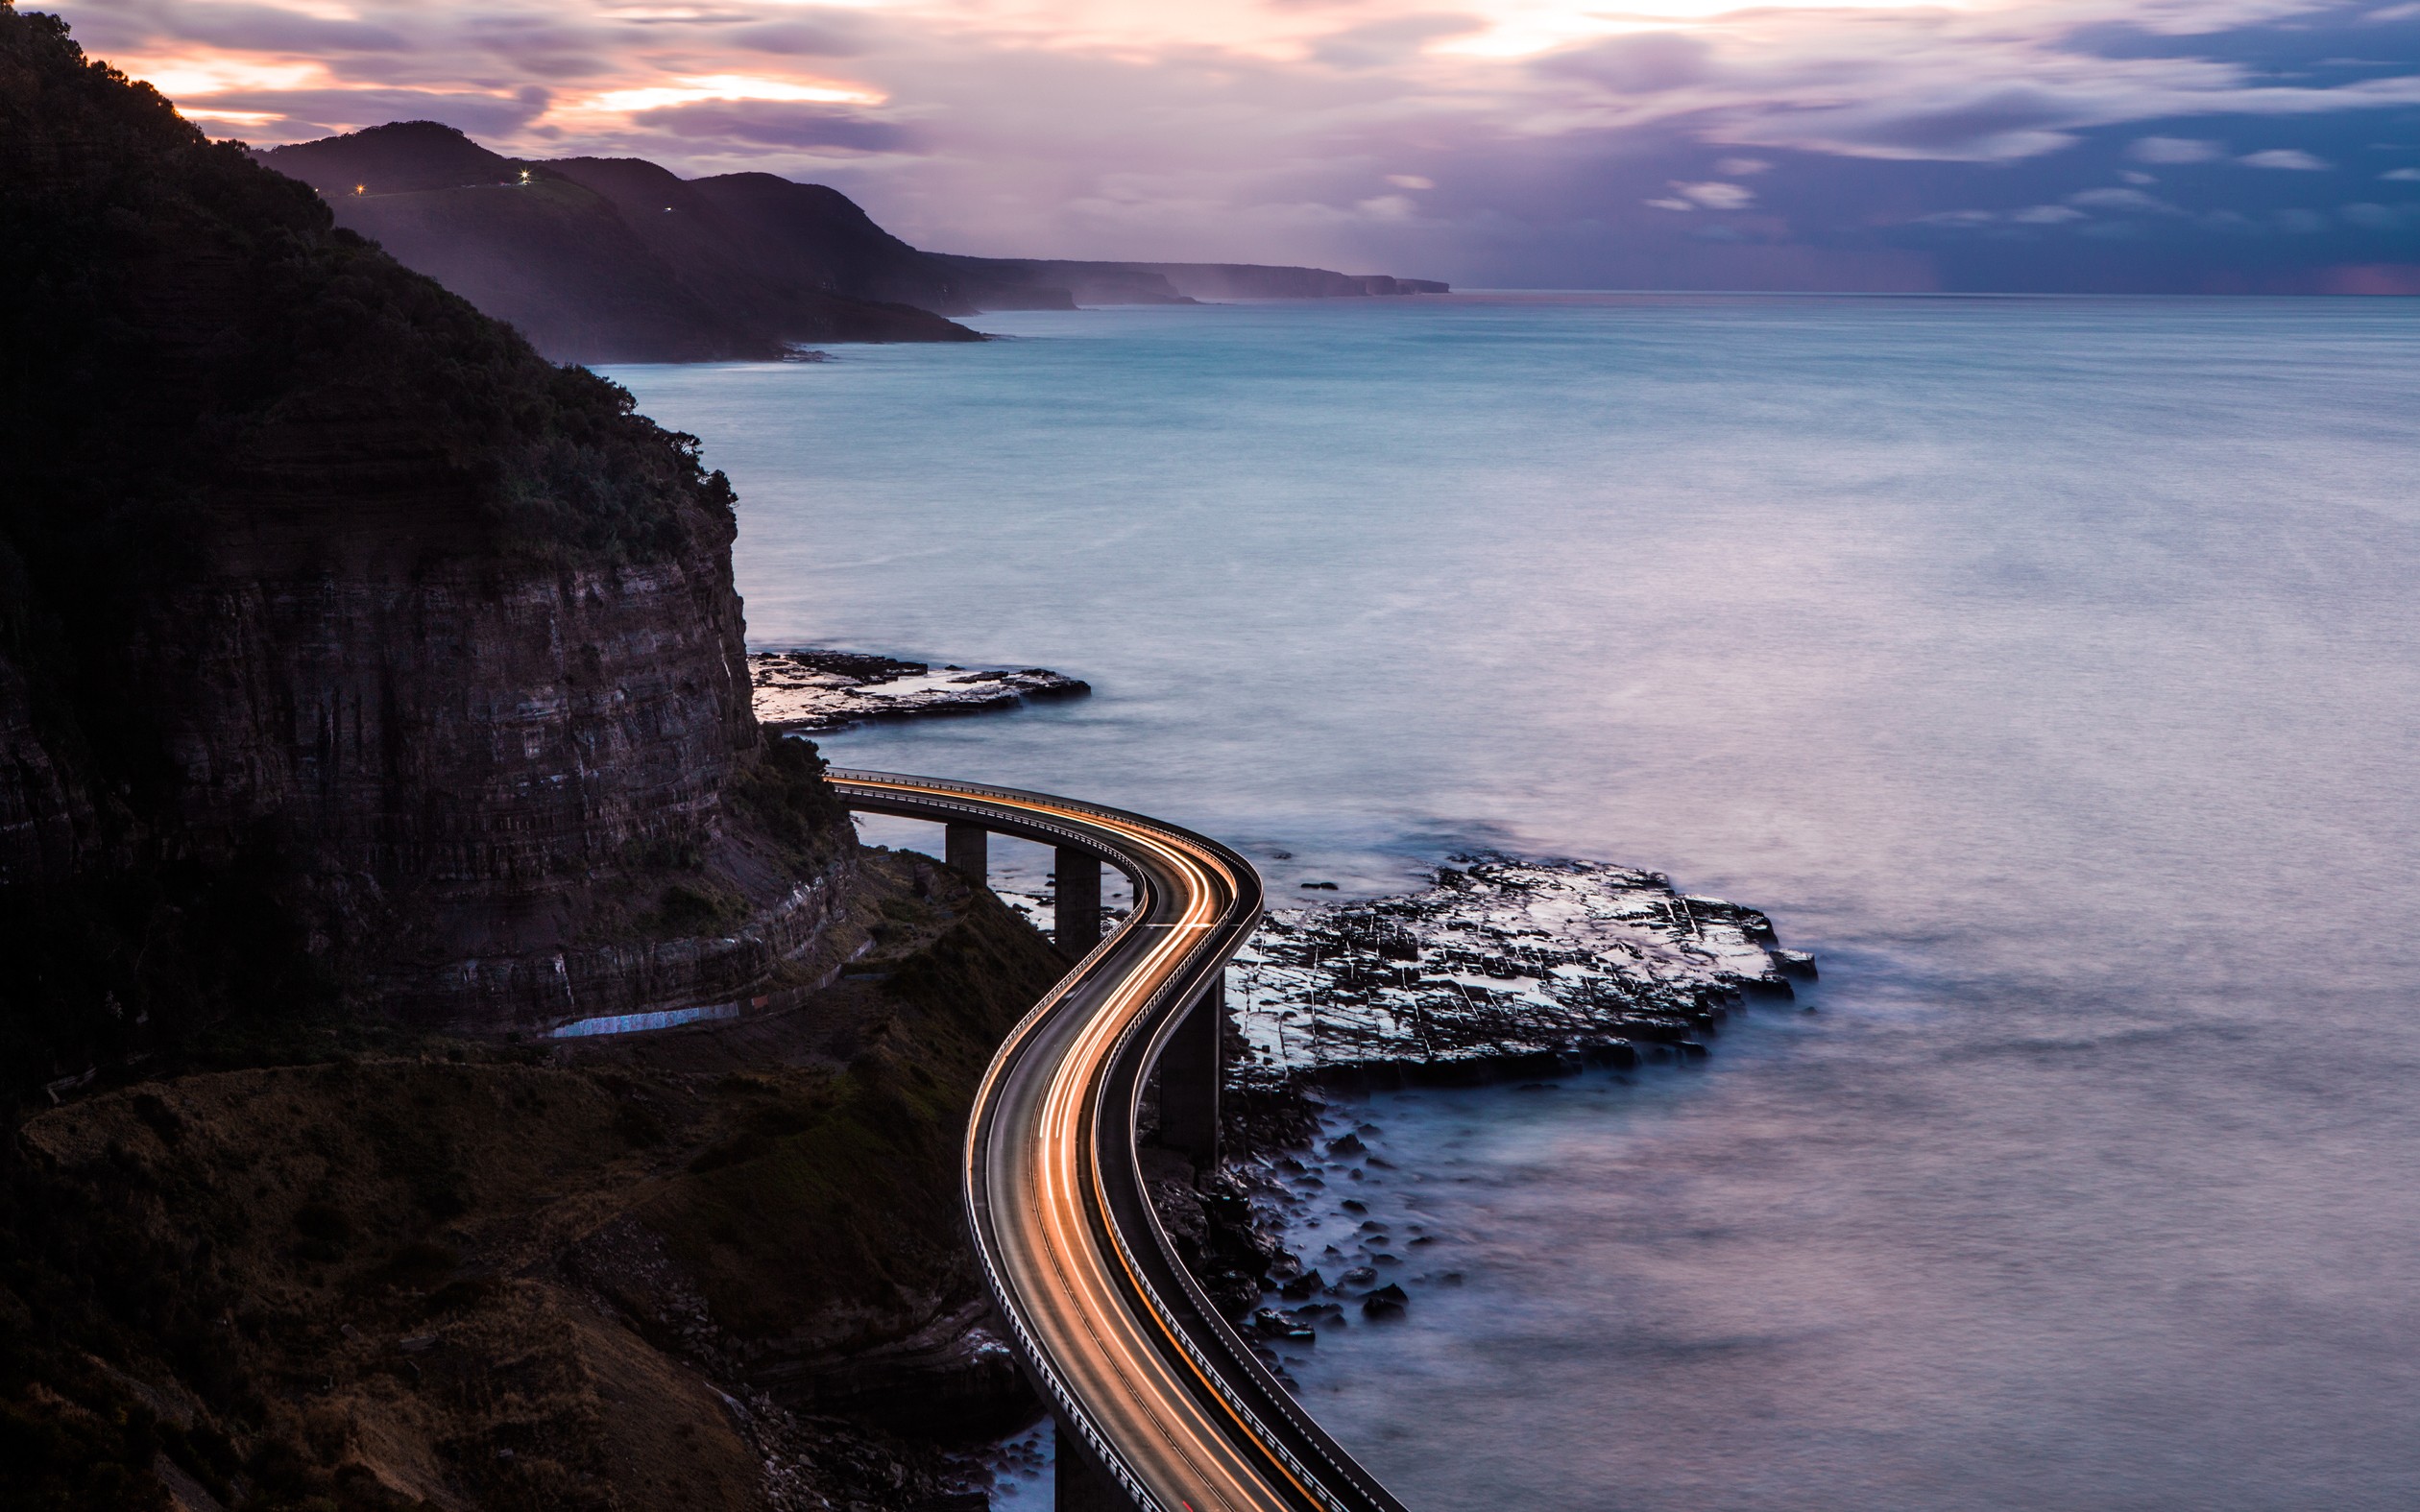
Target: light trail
1162,1393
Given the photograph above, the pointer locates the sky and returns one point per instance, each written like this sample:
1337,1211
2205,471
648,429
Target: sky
2161,146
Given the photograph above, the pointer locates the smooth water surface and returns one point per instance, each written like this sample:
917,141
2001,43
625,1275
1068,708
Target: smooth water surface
2050,667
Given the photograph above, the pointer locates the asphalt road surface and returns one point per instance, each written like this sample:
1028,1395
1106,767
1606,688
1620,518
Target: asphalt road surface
1155,1389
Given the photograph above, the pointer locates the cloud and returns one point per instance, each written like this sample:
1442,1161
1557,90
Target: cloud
1967,143
1379,44
825,38
2174,149
692,89
2290,157
2123,200
1654,62
1717,196
779,124
2401,174
2380,217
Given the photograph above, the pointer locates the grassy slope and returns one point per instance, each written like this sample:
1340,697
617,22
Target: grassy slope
247,1252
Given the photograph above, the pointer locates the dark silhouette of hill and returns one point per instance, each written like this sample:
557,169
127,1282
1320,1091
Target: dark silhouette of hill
617,258
599,260
351,654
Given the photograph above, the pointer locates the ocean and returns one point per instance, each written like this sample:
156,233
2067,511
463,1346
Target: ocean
2050,668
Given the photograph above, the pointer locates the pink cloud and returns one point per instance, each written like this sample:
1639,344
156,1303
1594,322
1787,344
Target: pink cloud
1239,128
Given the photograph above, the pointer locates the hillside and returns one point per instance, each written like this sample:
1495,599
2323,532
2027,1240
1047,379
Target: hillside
371,700
351,654
599,260
618,259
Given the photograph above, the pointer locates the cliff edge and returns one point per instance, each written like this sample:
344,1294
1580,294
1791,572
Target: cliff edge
351,654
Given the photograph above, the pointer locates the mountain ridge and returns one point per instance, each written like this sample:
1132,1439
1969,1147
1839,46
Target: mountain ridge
605,259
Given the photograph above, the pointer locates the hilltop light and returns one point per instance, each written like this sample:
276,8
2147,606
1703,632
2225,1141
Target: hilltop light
359,188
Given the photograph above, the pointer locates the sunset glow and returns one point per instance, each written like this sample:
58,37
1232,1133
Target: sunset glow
729,87
1499,141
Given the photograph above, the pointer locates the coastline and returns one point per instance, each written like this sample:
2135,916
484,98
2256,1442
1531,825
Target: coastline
1504,970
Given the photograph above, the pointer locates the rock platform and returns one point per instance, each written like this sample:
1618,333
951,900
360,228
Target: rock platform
1504,964
806,690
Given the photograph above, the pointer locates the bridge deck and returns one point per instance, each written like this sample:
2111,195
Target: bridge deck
1163,1395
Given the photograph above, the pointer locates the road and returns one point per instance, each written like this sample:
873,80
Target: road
1168,1398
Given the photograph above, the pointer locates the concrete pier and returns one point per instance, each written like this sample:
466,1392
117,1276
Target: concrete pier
1076,1483
1078,888
968,849
1190,1070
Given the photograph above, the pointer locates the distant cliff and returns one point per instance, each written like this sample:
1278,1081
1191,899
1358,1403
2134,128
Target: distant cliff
602,259
350,652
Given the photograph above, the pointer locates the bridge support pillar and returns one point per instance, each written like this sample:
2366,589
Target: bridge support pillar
1077,1484
968,849
1190,1070
1078,887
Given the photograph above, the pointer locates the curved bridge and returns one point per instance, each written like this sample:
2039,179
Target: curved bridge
1160,1403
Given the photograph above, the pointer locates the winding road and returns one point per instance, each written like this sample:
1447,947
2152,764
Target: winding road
1171,1407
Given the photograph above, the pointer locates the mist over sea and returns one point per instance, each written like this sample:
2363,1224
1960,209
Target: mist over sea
2050,668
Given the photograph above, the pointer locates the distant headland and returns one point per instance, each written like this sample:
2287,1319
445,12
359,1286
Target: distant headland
618,259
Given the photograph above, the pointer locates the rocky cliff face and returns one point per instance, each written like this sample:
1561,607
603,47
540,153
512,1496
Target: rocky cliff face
350,652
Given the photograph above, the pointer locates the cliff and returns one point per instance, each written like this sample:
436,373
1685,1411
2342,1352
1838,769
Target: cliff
618,259
351,654
372,694
615,259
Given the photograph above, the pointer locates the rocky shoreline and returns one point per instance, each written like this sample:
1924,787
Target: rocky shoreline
1504,965
808,689
1504,968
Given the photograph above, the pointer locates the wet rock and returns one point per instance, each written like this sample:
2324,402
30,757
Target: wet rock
814,689
1505,966
1387,1301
